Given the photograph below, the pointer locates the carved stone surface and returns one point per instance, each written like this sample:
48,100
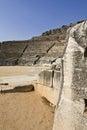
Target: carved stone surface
46,78
69,113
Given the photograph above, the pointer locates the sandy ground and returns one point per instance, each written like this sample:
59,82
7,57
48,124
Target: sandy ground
24,111
18,76
19,70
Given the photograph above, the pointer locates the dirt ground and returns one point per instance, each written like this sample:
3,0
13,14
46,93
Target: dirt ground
23,111
17,70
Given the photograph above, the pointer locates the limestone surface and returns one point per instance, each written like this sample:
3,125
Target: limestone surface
72,105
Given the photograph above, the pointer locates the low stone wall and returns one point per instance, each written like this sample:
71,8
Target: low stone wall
50,94
46,78
57,79
48,85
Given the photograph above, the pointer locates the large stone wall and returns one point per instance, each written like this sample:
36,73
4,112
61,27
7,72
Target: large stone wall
71,111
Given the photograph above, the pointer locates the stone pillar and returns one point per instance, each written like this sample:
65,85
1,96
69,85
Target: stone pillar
69,112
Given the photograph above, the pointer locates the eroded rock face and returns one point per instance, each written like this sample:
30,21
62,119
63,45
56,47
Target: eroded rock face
71,111
57,64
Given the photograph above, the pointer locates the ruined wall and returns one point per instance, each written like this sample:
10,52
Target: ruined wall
46,78
35,51
11,51
48,85
30,52
70,112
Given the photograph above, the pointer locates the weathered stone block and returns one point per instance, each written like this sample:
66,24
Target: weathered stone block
46,78
72,105
56,79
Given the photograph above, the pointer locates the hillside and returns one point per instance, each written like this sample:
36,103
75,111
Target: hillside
39,50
